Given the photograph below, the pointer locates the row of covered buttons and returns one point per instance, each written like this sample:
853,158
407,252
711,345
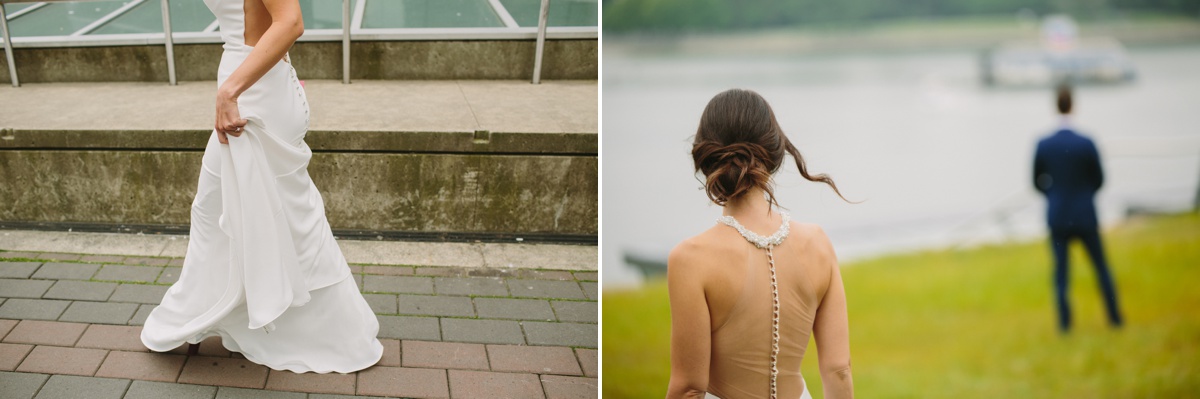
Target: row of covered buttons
300,94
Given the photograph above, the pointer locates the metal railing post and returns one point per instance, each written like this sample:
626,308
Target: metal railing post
541,42
8,49
346,41
169,39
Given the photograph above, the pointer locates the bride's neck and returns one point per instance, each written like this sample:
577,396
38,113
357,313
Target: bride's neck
748,206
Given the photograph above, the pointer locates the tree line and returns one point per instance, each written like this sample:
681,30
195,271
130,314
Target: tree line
707,15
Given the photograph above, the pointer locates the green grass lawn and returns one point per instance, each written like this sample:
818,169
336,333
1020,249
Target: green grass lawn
980,323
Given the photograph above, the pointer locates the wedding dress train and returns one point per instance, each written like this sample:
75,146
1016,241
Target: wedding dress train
262,268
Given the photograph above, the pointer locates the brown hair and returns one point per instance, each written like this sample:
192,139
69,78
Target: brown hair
739,145
1063,94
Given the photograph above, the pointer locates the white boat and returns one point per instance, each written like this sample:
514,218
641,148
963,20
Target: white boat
1061,56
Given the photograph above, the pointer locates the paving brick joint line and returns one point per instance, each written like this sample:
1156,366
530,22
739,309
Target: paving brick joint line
519,333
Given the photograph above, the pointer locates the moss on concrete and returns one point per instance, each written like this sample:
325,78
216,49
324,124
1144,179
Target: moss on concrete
406,192
443,59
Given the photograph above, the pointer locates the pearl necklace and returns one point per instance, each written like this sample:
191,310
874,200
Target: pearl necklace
767,243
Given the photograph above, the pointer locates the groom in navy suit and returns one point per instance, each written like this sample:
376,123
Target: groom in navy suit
1066,169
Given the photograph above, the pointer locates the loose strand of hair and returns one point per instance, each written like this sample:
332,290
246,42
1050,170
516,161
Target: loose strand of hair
819,178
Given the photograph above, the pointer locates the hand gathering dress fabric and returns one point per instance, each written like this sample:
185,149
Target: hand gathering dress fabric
262,268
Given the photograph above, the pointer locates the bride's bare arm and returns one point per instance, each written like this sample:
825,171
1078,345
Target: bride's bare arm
831,328
286,26
691,334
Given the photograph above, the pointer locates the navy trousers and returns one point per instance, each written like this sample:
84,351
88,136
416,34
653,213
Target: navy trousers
1060,240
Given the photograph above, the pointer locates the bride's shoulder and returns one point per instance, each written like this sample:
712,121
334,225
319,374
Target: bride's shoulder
809,231
699,250
813,238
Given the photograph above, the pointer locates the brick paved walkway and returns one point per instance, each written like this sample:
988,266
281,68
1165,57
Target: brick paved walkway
70,325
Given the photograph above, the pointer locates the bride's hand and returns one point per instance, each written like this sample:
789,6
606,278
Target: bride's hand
229,121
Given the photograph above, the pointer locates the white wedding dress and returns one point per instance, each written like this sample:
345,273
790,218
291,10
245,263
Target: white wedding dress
262,269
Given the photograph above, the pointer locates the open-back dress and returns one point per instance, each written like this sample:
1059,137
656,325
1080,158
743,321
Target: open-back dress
262,268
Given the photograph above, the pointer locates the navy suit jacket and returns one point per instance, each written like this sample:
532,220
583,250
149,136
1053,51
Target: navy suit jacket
1066,169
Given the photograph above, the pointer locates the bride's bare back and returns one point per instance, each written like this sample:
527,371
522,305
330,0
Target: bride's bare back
721,304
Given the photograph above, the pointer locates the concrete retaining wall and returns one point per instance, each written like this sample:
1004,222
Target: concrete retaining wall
465,59
414,181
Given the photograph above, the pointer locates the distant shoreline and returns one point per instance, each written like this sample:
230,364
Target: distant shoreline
894,36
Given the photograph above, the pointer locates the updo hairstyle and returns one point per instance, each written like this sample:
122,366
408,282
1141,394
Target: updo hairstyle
739,145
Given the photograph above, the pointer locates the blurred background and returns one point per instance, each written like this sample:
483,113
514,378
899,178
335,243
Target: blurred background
930,112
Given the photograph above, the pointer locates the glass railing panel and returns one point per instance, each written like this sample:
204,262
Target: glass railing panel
186,16
61,19
324,14
11,8
562,12
430,14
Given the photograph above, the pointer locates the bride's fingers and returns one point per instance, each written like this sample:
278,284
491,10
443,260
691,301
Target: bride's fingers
229,122
232,129
221,137
236,127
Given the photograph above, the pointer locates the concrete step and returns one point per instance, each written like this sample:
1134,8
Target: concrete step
402,156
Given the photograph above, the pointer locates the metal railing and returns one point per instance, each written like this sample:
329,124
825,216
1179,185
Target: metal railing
8,42
8,52
346,41
351,30
543,15
167,38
